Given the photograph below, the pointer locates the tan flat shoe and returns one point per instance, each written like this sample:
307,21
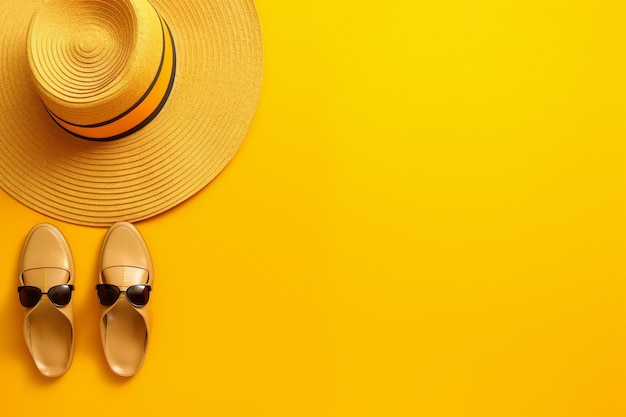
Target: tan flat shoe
125,282
45,289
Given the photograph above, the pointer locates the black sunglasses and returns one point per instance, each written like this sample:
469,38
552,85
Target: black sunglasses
59,295
138,295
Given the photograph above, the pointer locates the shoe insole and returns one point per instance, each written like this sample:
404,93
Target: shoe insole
50,330
126,332
125,338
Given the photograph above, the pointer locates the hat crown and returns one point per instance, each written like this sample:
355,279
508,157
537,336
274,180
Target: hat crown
93,61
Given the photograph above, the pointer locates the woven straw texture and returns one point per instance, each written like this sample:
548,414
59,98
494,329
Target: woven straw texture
198,131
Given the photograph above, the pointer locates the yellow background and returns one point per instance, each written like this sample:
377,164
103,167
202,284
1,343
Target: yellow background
428,218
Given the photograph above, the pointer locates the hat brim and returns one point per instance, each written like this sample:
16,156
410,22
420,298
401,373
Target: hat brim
198,131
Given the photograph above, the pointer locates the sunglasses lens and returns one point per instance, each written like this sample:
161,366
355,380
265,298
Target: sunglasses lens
107,294
29,296
138,295
60,295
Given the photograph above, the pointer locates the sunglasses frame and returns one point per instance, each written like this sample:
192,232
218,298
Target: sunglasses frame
41,293
117,297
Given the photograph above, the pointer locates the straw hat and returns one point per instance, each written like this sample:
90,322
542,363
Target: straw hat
121,109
